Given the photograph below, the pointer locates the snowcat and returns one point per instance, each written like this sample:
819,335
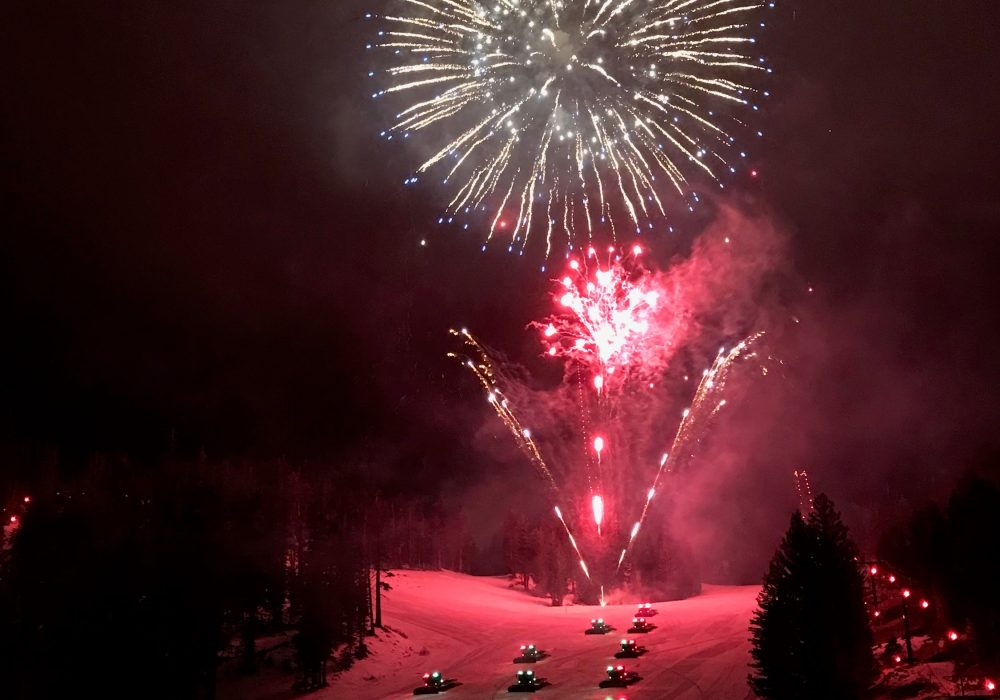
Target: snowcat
599,626
646,610
641,625
435,683
630,650
619,677
527,682
530,654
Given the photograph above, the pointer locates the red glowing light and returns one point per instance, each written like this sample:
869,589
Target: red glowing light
27,499
892,579
906,592
610,316
597,503
13,518
953,635
598,383
598,444
924,604
753,173
990,685
877,613
874,570
897,658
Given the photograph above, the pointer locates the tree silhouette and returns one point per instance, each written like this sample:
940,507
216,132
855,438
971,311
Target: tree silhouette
810,634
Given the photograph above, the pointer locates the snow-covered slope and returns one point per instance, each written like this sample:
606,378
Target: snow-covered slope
471,628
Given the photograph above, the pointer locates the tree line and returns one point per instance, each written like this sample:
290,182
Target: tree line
135,579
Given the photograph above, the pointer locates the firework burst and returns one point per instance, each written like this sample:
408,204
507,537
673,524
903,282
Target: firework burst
593,449
567,116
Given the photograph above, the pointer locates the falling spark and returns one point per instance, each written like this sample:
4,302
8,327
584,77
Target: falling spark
556,118
804,491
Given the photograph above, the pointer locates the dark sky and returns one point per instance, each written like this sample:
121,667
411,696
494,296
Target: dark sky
202,238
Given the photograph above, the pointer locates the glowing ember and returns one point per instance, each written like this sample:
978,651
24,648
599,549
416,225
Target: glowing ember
597,503
609,322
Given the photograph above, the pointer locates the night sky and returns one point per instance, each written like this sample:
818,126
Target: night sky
205,245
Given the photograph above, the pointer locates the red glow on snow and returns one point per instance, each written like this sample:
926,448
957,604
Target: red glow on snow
550,331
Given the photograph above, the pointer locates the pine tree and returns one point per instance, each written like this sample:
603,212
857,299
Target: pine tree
776,627
810,634
844,664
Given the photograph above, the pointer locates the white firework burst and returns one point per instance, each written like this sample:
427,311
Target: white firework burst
567,116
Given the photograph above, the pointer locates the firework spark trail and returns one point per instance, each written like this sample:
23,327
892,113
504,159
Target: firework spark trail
804,490
705,405
485,373
615,328
545,104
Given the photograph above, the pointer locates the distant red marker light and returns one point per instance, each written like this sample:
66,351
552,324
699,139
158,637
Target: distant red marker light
953,636
990,685
13,518
753,173
924,604
27,499
906,592
874,570
897,658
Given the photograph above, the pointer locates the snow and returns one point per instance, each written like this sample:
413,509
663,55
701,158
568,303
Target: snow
921,682
471,628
